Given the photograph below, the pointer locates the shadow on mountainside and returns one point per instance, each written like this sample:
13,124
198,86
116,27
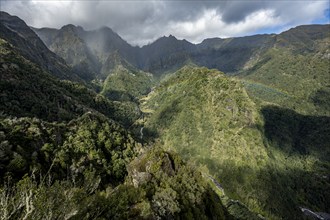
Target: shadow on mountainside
295,133
302,176
277,189
296,173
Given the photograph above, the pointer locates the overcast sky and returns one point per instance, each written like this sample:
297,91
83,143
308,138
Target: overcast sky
141,22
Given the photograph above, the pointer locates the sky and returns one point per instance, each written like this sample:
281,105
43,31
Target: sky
142,22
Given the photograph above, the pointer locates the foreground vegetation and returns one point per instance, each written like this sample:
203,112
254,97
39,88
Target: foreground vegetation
86,169
251,146
66,153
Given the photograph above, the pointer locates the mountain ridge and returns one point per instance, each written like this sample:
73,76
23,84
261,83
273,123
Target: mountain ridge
168,53
21,36
303,26
261,130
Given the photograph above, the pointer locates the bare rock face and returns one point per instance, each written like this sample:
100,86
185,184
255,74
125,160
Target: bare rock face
150,166
26,41
140,178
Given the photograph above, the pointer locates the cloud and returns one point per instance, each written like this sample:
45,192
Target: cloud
141,22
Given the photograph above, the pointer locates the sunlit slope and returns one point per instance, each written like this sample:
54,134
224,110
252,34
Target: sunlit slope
255,152
297,68
124,82
210,120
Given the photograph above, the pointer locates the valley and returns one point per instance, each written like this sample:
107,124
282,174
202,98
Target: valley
94,128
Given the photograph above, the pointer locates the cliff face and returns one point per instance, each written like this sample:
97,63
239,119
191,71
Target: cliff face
17,33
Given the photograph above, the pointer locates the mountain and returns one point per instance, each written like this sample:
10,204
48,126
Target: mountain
166,54
101,57
75,52
232,54
104,41
26,90
17,33
124,81
294,72
86,51
177,142
68,152
58,138
263,156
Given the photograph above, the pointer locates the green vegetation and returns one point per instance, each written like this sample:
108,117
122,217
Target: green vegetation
28,91
110,147
124,84
172,189
84,169
298,81
81,145
268,158
65,154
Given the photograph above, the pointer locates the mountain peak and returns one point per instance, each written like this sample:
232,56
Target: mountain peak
171,36
71,27
105,30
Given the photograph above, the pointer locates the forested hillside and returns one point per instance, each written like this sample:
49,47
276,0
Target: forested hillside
271,158
67,152
94,128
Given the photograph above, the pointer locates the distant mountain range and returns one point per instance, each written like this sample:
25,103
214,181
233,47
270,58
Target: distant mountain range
266,59
92,127
229,55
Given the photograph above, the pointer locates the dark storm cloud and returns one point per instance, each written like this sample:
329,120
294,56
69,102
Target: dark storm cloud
236,11
140,22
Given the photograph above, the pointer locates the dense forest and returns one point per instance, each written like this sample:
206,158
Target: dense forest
122,132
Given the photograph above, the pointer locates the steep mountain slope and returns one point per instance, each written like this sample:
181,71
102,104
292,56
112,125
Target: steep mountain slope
165,54
65,154
230,55
86,50
84,168
87,171
104,41
68,44
47,35
100,57
261,157
295,71
17,33
124,82
28,91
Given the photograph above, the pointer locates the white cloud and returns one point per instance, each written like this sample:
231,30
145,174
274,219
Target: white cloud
140,22
212,25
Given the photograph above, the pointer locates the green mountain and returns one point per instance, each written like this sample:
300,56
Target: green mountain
167,54
28,91
124,81
272,159
99,57
111,131
294,72
88,172
66,152
86,51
